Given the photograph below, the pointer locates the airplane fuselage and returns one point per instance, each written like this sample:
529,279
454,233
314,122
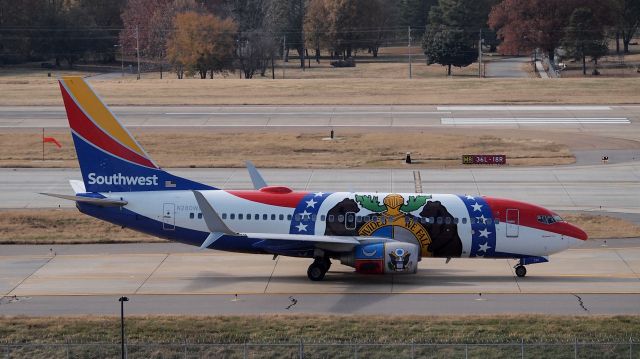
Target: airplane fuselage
442,225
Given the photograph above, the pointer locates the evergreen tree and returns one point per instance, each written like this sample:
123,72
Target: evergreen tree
584,37
448,47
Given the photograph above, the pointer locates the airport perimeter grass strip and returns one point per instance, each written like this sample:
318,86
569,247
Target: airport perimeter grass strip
296,150
68,226
354,91
321,328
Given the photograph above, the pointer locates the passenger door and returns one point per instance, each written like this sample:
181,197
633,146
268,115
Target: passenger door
513,222
168,217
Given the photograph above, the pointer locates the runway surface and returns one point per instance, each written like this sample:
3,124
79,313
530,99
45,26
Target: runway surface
566,116
177,279
612,187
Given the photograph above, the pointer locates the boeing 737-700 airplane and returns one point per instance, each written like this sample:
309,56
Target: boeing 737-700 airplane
376,233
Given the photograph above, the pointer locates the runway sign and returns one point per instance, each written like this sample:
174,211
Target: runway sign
484,159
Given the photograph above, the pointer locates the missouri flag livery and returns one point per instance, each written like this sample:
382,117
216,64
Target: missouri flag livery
375,233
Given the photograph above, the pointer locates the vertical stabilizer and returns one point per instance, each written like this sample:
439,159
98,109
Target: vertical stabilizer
110,158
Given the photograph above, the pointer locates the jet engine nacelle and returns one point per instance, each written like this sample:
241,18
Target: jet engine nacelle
384,258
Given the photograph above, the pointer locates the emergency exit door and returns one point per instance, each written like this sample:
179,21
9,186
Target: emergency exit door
513,222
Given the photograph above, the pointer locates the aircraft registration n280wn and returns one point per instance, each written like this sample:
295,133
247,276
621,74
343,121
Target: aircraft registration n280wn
375,233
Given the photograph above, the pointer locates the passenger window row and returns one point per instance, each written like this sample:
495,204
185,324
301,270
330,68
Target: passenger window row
341,218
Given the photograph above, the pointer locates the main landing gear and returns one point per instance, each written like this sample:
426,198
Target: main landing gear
521,270
318,269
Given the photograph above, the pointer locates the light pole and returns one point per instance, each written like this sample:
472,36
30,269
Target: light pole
121,57
138,50
122,300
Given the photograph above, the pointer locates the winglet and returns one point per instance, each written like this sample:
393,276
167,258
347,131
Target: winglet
256,177
214,223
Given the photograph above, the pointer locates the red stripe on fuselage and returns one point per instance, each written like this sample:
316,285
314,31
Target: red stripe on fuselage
290,200
84,127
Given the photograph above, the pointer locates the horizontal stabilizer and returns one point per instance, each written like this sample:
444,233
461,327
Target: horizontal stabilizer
103,202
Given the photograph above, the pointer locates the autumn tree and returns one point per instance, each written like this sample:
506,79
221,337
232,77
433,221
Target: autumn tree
524,25
201,43
584,37
316,27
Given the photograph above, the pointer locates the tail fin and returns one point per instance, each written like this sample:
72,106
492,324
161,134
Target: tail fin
111,160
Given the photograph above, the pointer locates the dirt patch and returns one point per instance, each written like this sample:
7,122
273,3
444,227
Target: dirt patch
297,150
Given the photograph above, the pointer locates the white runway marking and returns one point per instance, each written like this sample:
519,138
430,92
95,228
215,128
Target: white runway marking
535,121
523,108
307,113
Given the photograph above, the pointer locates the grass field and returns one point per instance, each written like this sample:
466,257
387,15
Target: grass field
296,150
68,226
34,90
292,328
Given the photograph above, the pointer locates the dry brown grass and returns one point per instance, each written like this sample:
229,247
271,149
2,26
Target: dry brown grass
602,226
456,90
296,150
61,226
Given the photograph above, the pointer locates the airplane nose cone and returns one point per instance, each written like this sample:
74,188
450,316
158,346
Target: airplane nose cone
575,233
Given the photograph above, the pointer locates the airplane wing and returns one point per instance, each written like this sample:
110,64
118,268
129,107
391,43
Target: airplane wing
218,228
102,202
256,177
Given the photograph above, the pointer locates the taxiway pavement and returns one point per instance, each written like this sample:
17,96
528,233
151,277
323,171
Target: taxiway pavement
178,279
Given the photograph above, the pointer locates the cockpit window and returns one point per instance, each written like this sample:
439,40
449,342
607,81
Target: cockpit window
547,219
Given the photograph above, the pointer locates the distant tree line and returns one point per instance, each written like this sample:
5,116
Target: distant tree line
204,37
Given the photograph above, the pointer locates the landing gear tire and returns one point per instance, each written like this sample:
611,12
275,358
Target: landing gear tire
521,271
316,271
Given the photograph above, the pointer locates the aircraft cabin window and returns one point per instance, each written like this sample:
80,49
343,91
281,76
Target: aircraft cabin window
273,217
248,216
313,217
240,216
359,219
281,217
232,216
447,220
496,221
323,218
488,221
455,220
289,217
192,215
199,215
298,217
439,220
265,217
224,216
340,218
331,218
464,220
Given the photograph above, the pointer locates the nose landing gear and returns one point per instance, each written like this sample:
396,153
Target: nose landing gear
521,270
318,269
